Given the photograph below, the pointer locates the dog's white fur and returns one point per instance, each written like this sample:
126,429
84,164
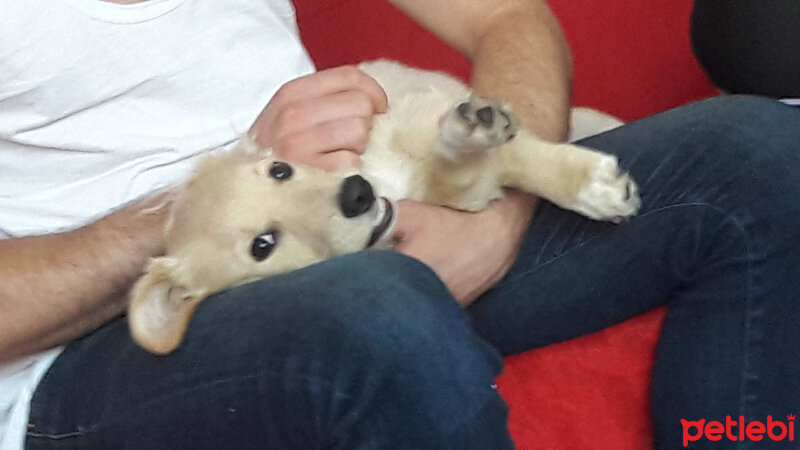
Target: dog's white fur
437,144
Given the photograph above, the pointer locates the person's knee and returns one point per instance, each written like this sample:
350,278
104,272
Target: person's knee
730,128
724,118
735,112
760,139
392,306
739,137
373,283
742,126
351,281
381,328
404,331
381,303
738,153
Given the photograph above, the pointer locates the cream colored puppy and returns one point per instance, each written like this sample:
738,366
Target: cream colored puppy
244,215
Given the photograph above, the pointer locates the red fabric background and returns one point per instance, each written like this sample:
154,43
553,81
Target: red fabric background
632,59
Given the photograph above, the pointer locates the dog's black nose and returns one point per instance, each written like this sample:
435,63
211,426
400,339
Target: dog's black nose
356,196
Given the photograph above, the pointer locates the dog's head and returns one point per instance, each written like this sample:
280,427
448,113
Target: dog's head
243,216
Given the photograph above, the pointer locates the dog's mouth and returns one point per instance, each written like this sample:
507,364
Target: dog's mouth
384,219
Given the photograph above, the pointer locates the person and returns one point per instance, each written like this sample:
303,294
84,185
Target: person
104,105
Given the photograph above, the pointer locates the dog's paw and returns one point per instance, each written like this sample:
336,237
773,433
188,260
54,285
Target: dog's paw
610,194
476,125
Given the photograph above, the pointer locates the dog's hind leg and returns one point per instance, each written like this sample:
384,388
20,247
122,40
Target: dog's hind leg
576,178
480,140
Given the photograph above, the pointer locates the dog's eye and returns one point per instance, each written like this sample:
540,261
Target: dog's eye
263,245
280,171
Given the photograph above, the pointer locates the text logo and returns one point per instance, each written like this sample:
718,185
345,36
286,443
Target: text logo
738,430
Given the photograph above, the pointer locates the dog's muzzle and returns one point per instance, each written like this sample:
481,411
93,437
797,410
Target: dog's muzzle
356,197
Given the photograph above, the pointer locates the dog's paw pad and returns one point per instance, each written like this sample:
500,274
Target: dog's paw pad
610,194
478,124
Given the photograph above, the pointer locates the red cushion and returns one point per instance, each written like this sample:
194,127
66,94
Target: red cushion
632,59
349,31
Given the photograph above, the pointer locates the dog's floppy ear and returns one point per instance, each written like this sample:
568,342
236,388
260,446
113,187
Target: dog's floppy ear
160,307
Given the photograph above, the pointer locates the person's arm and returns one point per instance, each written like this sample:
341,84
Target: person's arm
56,287
517,50
519,54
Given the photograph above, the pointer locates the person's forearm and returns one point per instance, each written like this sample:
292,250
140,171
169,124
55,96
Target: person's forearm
57,287
523,58
518,53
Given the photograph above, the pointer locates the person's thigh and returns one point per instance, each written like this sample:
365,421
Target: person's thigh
716,240
364,351
704,171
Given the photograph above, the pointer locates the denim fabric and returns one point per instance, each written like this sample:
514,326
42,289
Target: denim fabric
718,240
370,351
365,351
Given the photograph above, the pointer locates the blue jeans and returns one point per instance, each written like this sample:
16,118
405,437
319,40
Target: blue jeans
370,351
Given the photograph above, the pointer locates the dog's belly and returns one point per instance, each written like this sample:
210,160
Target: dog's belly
403,139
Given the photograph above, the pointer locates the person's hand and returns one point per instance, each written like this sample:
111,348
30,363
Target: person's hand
322,119
469,251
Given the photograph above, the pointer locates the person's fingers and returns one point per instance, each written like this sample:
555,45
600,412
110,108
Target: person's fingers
350,133
337,160
311,112
410,217
325,95
330,81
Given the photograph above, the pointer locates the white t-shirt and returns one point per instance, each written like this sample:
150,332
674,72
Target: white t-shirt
102,103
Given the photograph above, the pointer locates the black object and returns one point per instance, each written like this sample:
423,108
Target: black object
749,46
356,196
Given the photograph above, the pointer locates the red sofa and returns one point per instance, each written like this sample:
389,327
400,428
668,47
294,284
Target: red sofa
632,59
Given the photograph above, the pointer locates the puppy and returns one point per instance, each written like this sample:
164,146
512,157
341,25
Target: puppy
244,214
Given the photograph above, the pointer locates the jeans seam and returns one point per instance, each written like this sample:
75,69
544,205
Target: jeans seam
80,431
748,340
747,343
55,436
